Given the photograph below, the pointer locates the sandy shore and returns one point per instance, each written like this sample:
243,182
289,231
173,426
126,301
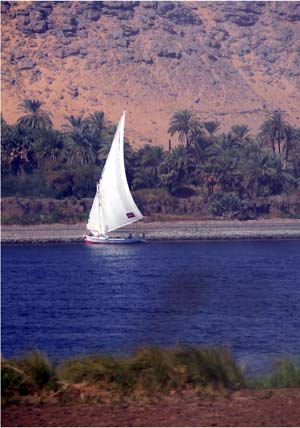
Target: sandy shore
160,231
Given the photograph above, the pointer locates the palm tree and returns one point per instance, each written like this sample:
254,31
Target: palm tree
273,130
78,141
98,125
148,160
291,146
35,117
51,146
149,156
186,124
211,127
106,141
10,137
262,173
222,165
241,133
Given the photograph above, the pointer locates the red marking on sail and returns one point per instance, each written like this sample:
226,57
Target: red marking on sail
130,215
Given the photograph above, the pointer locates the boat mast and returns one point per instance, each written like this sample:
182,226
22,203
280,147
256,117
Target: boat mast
100,215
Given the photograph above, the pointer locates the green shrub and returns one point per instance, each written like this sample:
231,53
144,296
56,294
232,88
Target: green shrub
39,370
14,381
286,374
149,372
227,205
92,369
154,369
210,366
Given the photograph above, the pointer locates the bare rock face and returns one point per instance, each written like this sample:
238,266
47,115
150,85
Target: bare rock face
164,7
33,19
44,8
91,11
178,14
119,9
149,4
91,14
5,7
169,52
228,61
38,24
243,14
65,52
26,64
120,5
73,91
293,12
69,26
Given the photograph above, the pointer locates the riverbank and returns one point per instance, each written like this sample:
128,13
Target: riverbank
248,408
182,386
159,231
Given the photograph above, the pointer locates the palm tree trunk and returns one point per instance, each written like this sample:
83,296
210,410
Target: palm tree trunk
279,145
273,146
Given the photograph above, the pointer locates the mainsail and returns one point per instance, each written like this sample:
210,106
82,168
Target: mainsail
113,205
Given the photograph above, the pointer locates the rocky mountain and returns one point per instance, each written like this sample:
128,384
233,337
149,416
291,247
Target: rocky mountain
228,61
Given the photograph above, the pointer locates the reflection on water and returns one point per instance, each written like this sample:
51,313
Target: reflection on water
70,299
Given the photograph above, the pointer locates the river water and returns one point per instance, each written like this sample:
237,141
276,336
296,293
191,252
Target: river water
77,299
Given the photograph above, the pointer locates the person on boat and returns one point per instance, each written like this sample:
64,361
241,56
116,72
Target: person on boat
130,236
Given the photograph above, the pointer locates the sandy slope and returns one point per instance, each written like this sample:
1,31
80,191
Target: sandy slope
154,64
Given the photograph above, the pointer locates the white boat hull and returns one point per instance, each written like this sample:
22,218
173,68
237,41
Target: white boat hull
105,241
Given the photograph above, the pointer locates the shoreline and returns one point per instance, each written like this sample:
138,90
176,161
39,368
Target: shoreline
242,408
270,229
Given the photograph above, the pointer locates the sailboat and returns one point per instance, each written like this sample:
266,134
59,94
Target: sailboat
113,206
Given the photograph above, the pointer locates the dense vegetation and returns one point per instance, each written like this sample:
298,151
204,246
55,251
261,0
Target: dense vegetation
150,372
231,175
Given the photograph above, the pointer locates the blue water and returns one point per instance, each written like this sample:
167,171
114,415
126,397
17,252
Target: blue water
73,299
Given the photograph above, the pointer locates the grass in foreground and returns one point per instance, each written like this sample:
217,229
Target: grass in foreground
28,375
149,372
154,369
285,374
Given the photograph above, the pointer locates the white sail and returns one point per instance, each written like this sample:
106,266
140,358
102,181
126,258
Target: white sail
94,224
113,205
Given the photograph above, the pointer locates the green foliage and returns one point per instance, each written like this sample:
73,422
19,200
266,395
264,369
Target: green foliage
153,369
39,370
35,117
210,366
230,171
10,137
14,381
175,168
78,141
51,146
146,171
24,376
241,133
186,124
150,371
226,205
26,185
95,369
285,374
84,181
98,127
211,127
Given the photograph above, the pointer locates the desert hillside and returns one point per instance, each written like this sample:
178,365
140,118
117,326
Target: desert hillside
229,61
